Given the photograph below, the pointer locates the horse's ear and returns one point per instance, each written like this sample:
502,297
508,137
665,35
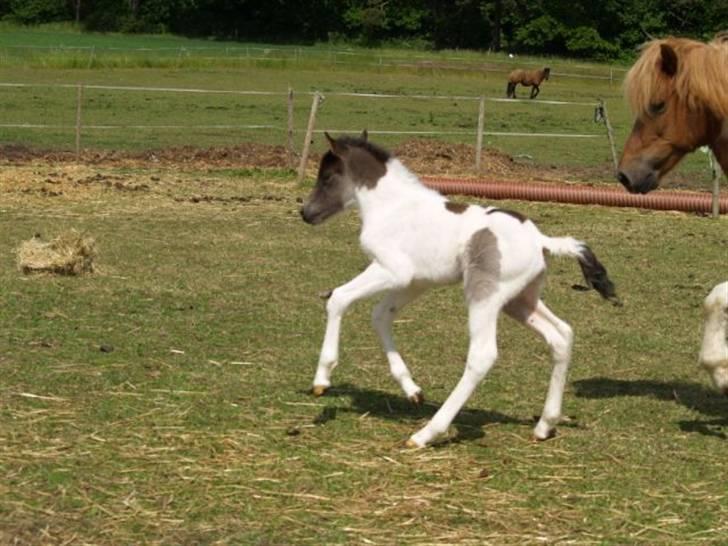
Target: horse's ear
364,135
668,60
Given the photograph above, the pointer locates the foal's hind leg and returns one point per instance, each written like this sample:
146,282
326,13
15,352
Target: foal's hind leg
559,336
482,354
383,315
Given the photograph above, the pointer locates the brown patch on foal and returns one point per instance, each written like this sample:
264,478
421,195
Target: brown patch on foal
517,215
482,265
364,162
456,208
365,168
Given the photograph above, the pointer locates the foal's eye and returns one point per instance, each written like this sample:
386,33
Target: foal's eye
657,108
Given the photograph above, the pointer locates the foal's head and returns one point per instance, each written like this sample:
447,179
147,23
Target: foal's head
351,163
672,89
546,73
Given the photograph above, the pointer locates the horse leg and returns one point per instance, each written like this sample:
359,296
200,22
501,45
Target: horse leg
482,353
383,316
532,312
535,91
373,280
509,89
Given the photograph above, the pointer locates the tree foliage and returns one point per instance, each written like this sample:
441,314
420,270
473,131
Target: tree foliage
581,28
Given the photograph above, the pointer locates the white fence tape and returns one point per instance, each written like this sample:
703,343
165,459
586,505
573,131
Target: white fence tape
277,128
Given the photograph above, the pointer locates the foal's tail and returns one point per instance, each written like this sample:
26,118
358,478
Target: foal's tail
595,274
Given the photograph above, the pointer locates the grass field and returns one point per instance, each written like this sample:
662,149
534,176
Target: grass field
147,120
194,424
165,398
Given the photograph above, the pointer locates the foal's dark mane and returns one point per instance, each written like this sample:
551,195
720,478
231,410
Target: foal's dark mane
379,153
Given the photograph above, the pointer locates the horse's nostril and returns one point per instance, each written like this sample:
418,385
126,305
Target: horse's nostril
623,179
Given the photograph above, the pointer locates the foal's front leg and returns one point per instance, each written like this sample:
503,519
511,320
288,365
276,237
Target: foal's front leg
535,91
373,280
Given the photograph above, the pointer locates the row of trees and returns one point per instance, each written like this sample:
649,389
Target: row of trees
582,28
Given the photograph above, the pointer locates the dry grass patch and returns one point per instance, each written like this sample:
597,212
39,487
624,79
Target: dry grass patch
70,253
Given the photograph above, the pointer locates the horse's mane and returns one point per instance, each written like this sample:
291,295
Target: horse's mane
701,80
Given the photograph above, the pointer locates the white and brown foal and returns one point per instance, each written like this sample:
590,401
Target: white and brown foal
416,239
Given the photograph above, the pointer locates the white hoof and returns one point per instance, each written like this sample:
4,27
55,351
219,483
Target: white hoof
543,431
411,443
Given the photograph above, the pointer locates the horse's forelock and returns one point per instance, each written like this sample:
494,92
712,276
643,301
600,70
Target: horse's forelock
701,80
644,80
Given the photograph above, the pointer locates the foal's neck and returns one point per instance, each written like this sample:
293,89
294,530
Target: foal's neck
398,186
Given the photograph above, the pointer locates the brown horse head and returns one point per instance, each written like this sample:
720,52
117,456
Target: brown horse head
546,73
678,91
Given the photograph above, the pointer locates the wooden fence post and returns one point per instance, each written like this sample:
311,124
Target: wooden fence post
79,95
716,172
317,98
610,134
479,137
290,152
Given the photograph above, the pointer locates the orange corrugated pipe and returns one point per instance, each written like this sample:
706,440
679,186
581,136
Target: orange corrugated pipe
577,194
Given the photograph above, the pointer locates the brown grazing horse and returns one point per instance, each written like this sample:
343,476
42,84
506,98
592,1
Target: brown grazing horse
532,78
678,92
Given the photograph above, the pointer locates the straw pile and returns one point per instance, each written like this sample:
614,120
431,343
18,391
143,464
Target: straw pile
71,253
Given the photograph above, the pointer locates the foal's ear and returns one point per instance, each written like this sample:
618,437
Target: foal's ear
337,147
668,60
364,135
332,142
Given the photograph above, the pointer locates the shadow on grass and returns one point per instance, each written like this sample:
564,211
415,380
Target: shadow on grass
694,396
386,405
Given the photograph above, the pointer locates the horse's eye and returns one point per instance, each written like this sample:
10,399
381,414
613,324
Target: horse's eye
657,108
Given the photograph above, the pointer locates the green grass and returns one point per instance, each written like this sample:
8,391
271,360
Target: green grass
198,426
197,119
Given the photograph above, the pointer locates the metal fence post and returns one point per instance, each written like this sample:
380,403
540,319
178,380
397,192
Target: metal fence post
79,95
610,133
289,137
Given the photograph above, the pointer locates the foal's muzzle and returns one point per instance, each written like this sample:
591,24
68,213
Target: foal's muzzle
306,217
312,217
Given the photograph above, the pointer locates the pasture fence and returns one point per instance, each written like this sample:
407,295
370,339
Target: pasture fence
480,124
479,131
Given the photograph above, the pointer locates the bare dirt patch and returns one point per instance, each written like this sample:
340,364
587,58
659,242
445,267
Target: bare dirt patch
423,156
49,179
52,173
247,154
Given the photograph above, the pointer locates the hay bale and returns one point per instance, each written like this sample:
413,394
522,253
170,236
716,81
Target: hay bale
71,253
